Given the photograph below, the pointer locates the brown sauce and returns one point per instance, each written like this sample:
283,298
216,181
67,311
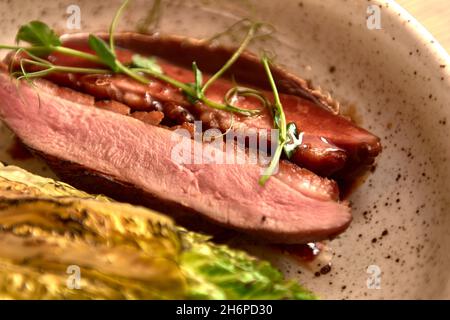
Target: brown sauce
314,256
301,252
348,184
18,151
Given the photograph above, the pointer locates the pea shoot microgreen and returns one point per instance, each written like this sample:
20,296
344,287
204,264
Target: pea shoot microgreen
149,63
288,136
42,41
38,33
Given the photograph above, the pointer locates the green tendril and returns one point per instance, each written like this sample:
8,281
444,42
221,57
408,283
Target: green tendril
279,123
42,41
250,34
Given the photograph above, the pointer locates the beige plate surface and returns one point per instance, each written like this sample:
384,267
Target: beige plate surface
395,80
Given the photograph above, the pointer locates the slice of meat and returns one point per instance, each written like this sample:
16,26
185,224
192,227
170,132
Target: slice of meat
294,206
113,106
153,117
332,145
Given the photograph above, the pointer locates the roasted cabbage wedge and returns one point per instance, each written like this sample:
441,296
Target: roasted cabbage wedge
119,251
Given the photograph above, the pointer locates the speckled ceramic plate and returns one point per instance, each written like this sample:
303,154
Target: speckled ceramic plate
395,81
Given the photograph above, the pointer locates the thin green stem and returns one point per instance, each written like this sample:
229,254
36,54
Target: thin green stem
229,30
56,68
234,57
60,49
113,26
28,76
8,47
229,108
29,49
36,63
77,53
37,74
278,106
280,124
132,74
268,172
80,70
36,58
246,92
190,91
50,68
167,79
53,69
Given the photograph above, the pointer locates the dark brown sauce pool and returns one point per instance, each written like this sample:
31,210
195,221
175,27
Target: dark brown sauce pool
349,184
18,151
314,256
301,252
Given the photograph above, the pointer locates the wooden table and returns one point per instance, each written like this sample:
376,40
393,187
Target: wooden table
434,15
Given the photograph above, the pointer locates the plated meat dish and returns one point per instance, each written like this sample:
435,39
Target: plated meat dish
107,119
202,141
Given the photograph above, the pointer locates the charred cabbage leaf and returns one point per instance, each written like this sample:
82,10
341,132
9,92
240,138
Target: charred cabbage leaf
122,251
